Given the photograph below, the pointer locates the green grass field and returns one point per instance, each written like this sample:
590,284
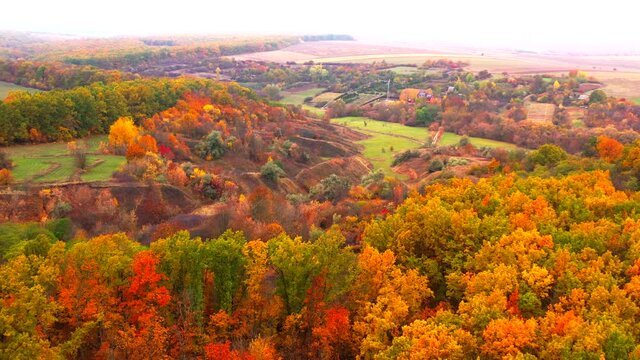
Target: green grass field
50,163
297,97
637,100
385,135
6,87
404,70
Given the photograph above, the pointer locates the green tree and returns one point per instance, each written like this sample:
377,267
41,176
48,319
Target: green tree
597,97
547,155
223,256
428,114
213,146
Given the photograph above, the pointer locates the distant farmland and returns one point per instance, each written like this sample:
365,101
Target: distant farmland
540,112
621,74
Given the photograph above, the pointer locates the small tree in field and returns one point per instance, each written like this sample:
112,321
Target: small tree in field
79,153
272,92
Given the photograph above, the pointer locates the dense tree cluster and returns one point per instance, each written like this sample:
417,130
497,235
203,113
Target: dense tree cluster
65,114
504,267
55,75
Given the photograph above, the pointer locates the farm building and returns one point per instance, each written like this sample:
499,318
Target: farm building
413,95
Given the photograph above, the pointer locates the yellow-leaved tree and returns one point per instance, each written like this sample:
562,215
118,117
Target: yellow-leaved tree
123,133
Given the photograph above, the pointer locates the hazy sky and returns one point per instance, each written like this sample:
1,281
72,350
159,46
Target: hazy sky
572,25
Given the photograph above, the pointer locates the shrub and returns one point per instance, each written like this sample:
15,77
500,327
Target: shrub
212,147
374,177
134,151
271,171
61,209
405,156
455,161
5,177
428,114
272,92
436,165
597,96
547,155
297,199
5,162
176,175
61,228
332,188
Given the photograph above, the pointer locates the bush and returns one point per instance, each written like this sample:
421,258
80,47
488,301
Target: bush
61,209
436,165
61,228
374,177
464,141
271,171
547,155
5,162
5,177
455,161
428,114
297,199
176,175
212,147
405,156
272,92
597,96
332,188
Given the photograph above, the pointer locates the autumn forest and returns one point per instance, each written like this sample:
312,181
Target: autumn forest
295,197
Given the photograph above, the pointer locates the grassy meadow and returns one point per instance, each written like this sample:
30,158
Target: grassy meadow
6,88
297,98
388,139
50,163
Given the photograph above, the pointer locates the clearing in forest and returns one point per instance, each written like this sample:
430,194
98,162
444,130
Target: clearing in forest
297,97
387,139
540,112
52,163
6,88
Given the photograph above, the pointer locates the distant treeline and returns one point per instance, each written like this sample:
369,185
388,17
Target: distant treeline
138,56
65,114
56,75
328,37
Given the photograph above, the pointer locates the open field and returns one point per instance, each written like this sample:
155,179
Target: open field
386,135
297,98
49,163
6,87
617,83
326,97
621,74
540,112
404,70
